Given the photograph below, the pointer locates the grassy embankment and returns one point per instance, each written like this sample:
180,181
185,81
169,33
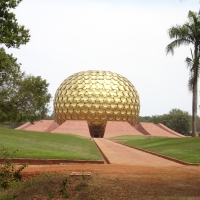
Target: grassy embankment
186,149
42,145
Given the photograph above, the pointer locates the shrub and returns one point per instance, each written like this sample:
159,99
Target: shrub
9,173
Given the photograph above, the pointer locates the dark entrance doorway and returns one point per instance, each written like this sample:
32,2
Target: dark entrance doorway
97,129
96,135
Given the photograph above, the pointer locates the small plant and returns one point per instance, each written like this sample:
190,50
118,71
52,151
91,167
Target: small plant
51,195
63,189
8,197
82,184
8,171
83,176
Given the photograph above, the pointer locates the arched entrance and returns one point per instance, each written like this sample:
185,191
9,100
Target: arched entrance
97,128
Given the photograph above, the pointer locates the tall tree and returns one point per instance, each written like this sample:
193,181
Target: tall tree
178,120
10,77
11,33
186,34
22,97
32,99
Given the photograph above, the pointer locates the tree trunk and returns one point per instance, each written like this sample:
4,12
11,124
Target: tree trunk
194,108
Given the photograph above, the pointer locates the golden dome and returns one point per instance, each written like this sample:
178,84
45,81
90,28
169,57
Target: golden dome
98,97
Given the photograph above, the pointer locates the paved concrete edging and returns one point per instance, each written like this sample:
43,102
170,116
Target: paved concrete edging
52,161
104,156
162,156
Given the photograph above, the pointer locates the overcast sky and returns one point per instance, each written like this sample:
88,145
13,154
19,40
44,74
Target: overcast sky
128,37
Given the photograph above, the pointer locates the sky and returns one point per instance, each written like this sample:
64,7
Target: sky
128,37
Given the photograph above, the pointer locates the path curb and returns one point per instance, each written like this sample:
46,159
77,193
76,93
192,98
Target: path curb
51,161
104,156
162,156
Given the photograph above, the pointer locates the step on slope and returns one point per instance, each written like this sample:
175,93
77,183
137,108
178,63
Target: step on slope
153,130
22,127
170,130
77,127
42,126
115,128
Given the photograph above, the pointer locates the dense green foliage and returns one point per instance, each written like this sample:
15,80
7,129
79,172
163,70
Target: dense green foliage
186,149
32,99
143,119
176,119
11,33
187,34
48,145
22,97
9,173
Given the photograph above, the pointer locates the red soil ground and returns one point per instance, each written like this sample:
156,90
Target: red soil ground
136,182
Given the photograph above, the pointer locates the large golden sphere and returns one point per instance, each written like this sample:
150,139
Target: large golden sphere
98,97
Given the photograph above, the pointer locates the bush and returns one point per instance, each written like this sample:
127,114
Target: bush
9,173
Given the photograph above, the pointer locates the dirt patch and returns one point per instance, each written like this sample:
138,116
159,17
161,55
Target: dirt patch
128,182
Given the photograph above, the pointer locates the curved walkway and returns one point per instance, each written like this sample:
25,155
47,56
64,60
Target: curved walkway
120,154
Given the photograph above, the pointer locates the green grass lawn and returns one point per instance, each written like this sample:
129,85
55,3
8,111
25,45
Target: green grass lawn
186,149
48,145
130,137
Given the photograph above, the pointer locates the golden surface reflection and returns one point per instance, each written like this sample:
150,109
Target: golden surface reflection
98,97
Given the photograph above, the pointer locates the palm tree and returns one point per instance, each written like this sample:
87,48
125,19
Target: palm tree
186,34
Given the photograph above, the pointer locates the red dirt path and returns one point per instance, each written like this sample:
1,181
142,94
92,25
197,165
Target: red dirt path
118,169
